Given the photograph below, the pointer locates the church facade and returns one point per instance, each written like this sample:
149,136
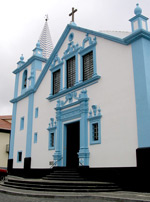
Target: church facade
87,104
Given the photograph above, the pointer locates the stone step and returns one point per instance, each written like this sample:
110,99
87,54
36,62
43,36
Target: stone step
62,189
83,183
61,185
64,174
63,178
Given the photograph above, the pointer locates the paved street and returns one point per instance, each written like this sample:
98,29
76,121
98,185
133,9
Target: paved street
11,198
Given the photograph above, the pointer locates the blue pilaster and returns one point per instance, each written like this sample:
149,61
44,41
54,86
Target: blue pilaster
12,136
84,151
141,66
29,126
58,152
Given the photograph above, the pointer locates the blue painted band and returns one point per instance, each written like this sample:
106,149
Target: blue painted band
76,87
141,64
29,126
30,60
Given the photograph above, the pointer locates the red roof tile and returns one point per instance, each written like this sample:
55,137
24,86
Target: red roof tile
4,122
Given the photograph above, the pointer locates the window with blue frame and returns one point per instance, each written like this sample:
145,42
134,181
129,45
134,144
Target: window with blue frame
19,156
24,79
51,140
56,82
95,135
36,112
22,123
71,72
35,138
88,69
88,66
95,131
52,131
95,125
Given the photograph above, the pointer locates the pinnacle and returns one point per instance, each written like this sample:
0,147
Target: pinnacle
46,41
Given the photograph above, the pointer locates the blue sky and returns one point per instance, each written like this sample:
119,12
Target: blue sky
22,22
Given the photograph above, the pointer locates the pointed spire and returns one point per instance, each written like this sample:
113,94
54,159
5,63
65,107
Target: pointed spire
45,40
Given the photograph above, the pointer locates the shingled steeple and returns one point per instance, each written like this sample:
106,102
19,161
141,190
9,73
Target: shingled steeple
45,40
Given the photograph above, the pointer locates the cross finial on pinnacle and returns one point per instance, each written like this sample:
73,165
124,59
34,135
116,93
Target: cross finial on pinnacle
72,13
46,17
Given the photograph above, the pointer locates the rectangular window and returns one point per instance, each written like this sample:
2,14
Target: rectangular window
71,72
51,140
19,156
95,131
88,66
56,82
35,137
36,112
22,123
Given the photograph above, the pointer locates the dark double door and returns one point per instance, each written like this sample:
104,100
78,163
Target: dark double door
73,142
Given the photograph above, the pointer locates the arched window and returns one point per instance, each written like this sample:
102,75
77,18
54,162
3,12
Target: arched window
24,79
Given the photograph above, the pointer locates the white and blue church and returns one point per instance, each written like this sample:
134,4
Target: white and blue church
85,103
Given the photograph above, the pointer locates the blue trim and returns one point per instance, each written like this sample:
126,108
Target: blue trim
141,64
71,36
136,36
37,51
53,68
80,112
71,51
36,65
36,112
29,126
22,123
29,61
95,118
83,51
139,18
65,145
18,161
16,85
93,121
52,129
126,41
12,136
35,137
76,87
50,146
26,94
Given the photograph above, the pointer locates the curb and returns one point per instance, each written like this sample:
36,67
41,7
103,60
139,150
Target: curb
56,195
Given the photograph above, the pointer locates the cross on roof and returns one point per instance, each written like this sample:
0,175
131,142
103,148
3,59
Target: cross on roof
72,13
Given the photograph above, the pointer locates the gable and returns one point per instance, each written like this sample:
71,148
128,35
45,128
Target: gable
78,41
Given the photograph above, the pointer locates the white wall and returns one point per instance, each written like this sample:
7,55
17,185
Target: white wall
115,95
20,135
